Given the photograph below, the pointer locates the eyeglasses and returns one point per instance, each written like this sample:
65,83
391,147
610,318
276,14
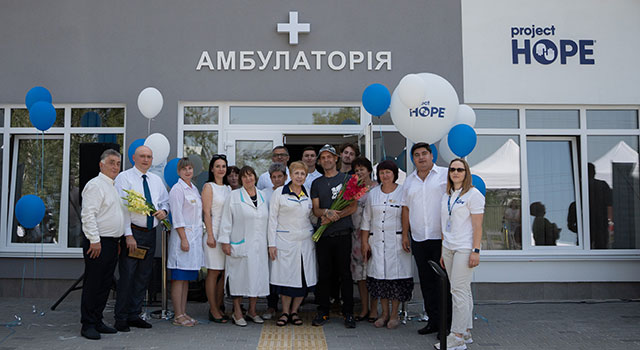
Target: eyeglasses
219,156
460,170
280,155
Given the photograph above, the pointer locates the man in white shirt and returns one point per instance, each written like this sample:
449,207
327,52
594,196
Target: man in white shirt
280,154
102,217
309,158
139,232
422,193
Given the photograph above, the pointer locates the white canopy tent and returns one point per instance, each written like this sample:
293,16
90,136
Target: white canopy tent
620,153
502,168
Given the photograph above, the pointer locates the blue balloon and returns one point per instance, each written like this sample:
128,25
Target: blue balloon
37,94
434,151
171,172
132,148
462,140
42,115
376,99
479,184
30,211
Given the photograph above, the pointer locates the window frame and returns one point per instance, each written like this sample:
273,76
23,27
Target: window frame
59,250
529,252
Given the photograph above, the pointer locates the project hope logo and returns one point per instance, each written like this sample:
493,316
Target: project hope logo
540,42
426,110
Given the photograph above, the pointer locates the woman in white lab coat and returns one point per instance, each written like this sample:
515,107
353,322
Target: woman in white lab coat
389,269
293,254
243,235
185,257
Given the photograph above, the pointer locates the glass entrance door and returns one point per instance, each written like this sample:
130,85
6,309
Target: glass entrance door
251,148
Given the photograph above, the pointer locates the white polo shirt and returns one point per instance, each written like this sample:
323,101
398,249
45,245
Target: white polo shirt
459,234
423,200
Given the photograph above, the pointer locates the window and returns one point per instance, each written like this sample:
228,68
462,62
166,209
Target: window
199,137
614,192
294,115
55,178
552,174
552,119
496,159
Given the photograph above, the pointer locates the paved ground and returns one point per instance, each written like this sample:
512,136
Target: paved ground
610,325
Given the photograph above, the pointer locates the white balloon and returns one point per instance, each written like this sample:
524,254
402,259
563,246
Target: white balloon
159,146
411,90
444,151
150,102
466,115
433,118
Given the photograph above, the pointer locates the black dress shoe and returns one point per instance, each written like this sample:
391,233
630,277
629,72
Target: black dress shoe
139,323
349,321
103,328
90,333
122,326
428,329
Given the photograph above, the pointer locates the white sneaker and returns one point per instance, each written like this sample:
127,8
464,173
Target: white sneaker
453,343
467,337
267,316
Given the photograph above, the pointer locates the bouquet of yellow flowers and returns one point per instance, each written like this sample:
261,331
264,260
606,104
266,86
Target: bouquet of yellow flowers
136,203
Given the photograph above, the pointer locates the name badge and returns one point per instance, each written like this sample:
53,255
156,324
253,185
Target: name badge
448,228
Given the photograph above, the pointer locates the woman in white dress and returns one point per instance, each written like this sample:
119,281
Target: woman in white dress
462,211
293,253
184,254
389,270
214,194
363,168
243,235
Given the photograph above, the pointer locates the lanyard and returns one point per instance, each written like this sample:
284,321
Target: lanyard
449,206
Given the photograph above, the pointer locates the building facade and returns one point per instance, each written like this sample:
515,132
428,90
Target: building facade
553,93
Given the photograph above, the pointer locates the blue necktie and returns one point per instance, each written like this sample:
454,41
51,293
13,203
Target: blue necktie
147,196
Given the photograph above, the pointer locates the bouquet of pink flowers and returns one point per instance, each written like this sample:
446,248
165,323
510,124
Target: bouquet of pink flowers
352,190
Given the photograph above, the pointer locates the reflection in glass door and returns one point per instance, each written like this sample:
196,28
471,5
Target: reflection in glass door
552,173
28,177
251,148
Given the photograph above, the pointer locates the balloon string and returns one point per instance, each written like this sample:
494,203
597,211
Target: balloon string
384,151
148,127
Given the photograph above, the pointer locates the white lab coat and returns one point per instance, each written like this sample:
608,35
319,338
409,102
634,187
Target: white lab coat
186,209
383,219
245,227
290,232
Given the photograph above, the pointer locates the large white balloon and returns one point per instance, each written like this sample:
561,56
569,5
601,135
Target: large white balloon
150,102
411,90
466,115
444,152
433,118
159,146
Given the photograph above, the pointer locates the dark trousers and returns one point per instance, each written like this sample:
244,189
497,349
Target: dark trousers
334,260
98,279
272,299
135,275
430,286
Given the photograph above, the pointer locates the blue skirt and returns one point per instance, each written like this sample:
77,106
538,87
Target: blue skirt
184,275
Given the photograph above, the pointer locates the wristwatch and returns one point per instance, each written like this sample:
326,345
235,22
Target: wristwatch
476,250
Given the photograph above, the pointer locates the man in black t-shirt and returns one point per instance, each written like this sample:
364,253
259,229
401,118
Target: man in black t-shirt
333,250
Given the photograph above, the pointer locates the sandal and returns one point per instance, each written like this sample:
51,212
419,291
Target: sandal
372,319
186,322
283,320
362,318
295,319
193,320
217,320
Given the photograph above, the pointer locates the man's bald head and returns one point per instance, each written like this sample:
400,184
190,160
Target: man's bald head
143,156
